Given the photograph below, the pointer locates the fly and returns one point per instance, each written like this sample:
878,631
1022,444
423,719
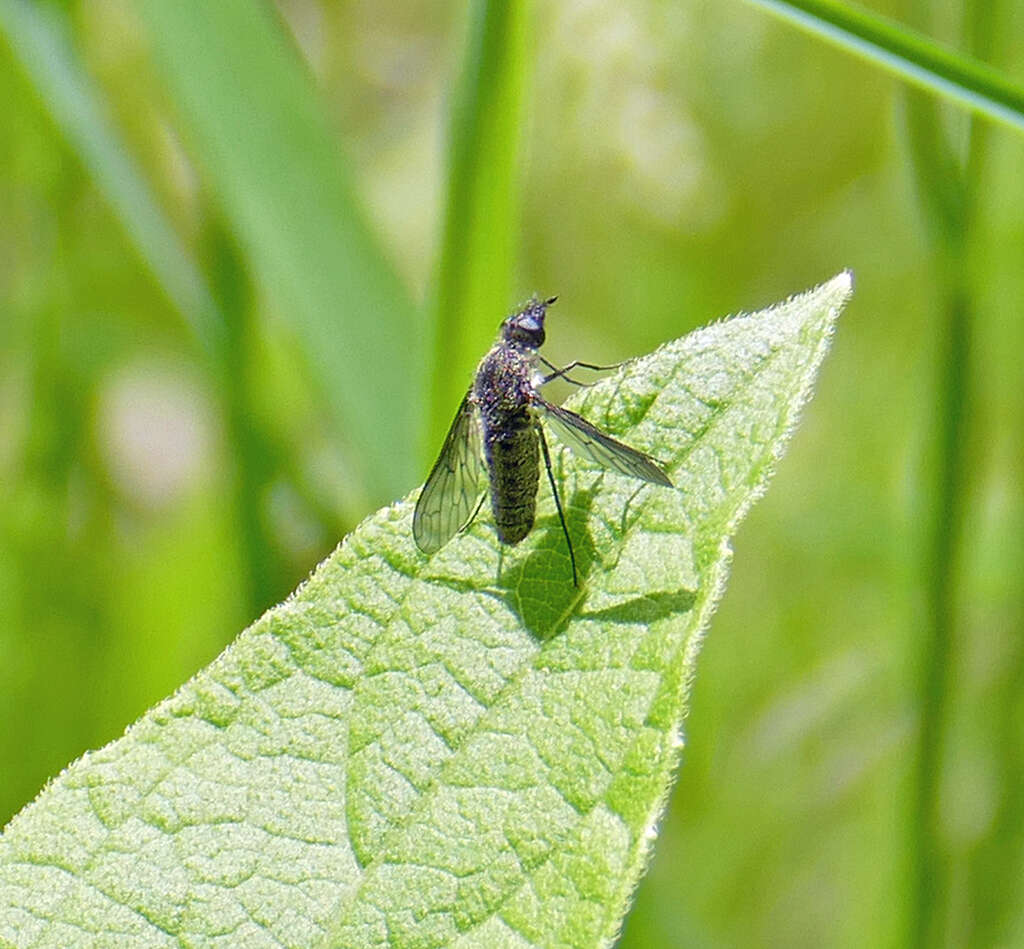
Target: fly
497,440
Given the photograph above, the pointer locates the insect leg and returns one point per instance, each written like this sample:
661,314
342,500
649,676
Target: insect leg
590,365
562,373
472,517
558,502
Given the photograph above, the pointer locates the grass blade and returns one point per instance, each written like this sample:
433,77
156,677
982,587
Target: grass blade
39,37
481,214
907,54
257,130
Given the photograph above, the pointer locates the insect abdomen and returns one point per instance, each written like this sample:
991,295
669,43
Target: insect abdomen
513,458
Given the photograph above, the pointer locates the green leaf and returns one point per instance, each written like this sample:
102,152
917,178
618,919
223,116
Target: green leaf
262,141
464,750
907,54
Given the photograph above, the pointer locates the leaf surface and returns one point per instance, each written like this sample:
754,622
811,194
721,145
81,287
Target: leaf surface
462,750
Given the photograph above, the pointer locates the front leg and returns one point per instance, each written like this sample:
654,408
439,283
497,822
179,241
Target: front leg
562,373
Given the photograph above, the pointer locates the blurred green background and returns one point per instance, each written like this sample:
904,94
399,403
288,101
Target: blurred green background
250,254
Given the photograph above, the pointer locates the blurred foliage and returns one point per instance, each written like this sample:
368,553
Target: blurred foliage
854,770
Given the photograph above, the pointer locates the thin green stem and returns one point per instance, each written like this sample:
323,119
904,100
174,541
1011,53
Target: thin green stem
907,54
995,890
947,188
938,647
481,225
253,463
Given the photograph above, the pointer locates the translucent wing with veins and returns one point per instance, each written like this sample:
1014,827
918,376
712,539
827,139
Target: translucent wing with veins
455,485
584,439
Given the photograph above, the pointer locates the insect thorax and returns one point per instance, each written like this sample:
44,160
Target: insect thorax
503,386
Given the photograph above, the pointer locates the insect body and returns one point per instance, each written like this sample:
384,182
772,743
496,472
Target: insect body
497,440
503,393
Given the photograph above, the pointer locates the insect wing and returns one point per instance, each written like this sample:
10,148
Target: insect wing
592,443
454,486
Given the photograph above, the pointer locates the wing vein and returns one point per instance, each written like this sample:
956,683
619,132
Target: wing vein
590,442
455,484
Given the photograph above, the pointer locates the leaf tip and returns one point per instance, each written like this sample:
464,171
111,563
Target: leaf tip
842,283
